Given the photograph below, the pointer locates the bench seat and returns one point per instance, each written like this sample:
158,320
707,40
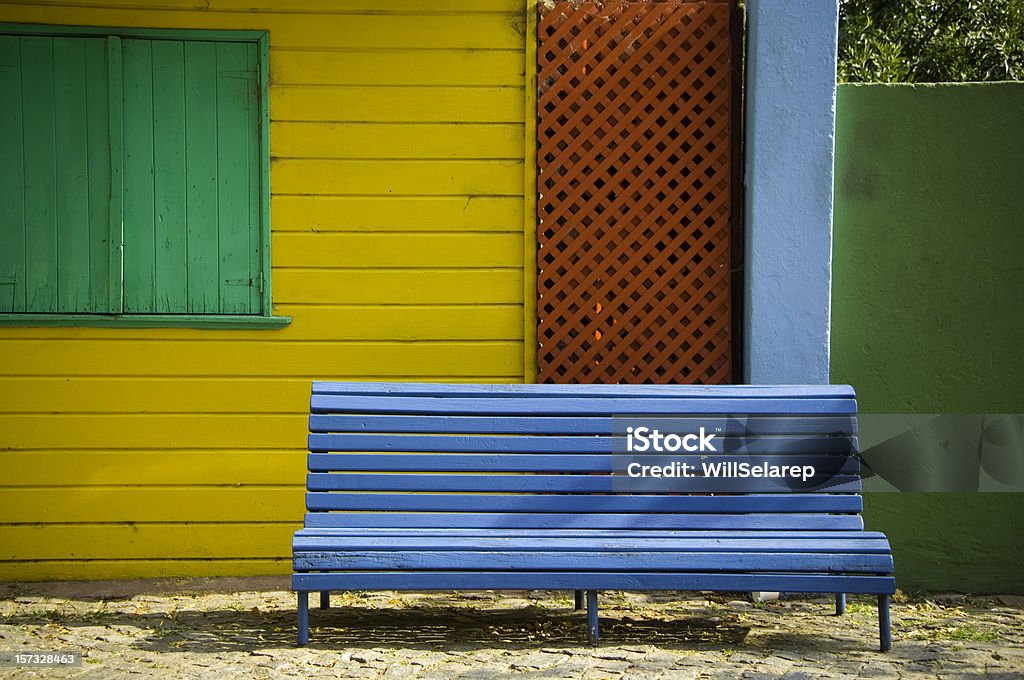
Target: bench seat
482,487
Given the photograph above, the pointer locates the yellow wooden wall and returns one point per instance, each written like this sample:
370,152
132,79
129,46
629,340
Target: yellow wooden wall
397,144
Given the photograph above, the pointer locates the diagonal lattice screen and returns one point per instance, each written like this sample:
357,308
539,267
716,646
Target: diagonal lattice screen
634,207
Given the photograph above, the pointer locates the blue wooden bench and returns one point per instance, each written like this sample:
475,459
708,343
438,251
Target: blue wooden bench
477,487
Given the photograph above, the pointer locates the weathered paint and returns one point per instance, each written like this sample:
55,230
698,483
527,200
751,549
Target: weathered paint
927,297
397,214
790,124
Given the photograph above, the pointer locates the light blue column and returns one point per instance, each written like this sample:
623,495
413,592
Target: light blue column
790,144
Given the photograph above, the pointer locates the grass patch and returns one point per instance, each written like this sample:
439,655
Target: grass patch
855,607
967,633
963,632
51,615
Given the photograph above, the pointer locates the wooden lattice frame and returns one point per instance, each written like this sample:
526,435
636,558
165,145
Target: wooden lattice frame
634,192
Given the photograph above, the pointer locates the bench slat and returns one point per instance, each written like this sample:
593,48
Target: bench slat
577,484
430,389
587,543
588,533
412,462
514,462
413,502
594,580
325,403
633,561
456,443
604,520
560,425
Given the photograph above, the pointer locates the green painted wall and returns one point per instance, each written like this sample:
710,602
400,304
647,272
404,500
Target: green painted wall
928,285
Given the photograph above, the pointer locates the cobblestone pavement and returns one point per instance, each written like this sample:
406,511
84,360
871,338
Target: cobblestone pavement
503,635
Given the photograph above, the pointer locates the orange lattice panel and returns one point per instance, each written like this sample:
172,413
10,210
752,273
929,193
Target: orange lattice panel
634,207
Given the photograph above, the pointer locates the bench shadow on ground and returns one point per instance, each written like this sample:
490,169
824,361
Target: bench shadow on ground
426,628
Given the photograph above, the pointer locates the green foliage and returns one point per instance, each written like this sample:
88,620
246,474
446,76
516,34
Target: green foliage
929,41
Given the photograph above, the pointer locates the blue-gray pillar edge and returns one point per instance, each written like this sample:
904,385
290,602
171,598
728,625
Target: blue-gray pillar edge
789,159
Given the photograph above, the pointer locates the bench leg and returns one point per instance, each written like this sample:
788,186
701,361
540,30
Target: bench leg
303,618
592,617
840,604
577,599
325,599
884,630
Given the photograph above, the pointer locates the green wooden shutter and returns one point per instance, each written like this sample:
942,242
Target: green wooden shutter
191,178
54,175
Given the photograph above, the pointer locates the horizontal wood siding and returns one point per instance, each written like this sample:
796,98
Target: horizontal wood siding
397,180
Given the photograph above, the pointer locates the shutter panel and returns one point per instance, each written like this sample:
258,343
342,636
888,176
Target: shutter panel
192,177
170,289
12,180
139,176
54,175
238,178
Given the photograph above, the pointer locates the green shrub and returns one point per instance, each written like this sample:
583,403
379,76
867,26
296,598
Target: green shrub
927,41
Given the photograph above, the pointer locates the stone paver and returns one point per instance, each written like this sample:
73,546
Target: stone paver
251,634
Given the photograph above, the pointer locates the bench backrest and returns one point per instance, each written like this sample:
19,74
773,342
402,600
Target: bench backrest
405,455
